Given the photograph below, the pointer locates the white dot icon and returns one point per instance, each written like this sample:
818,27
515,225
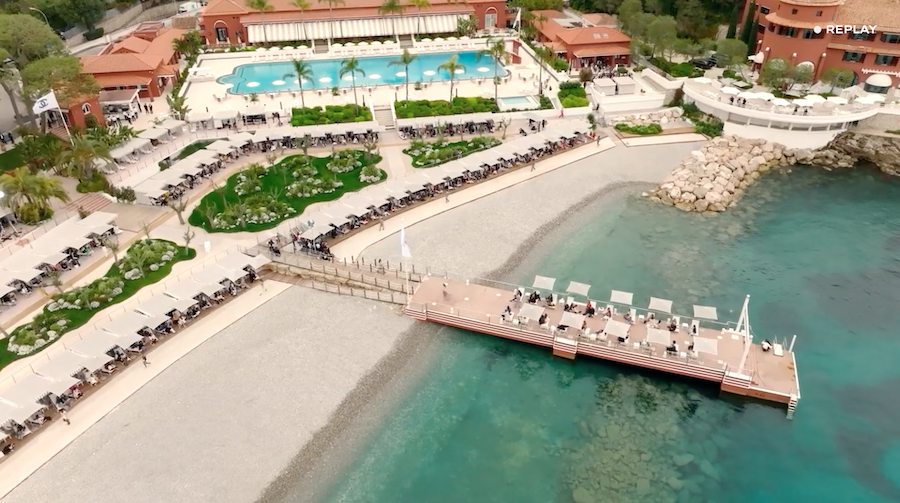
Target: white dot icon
817,30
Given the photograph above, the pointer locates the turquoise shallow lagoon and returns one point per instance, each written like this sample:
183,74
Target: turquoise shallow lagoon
819,253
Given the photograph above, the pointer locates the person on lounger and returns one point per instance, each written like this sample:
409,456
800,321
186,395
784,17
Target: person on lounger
673,326
550,299
766,346
649,318
542,320
628,318
672,348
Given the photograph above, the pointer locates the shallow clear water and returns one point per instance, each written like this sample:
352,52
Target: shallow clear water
818,252
277,77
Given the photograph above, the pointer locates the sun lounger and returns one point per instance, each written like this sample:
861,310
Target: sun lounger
777,349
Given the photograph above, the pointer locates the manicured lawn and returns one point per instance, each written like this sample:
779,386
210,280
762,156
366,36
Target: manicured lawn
426,108
11,159
647,129
186,151
241,206
75,318
426,155
572,95
333,114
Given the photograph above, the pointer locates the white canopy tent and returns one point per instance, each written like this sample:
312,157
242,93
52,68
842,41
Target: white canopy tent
33,388
225,115
64,364
578,288
658,336
662,305
129,323
573,320
154,133
242,138
222,147
96,343
617,329
189,289
173,126
532,311
158,305
197,117
705,312
543,283
705,345
621,297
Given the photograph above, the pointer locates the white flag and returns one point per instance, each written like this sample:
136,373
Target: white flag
518,22
404,248
44,103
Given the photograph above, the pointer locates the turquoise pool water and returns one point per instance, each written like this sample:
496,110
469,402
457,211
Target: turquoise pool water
819,253
517,103
277,77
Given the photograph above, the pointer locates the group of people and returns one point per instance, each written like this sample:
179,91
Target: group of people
432,131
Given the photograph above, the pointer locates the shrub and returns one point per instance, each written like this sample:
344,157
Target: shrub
569,85
344,161
426,108
93,34
96,183
332,114
710,127
426,154
123,194
639,68
546,104
677,69
572,95
559,64
645,129
370,174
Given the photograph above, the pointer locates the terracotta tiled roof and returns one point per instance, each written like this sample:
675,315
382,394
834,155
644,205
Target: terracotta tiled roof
812,3
883,13
133,45
224,7
600,19
793,23
121,80
168,71
162,45
593,35
354,13
116,63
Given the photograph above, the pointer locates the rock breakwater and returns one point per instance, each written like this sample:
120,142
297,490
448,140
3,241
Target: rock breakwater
659,117
715,177
882,150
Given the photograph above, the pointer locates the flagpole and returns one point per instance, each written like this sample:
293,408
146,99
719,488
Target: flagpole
63,117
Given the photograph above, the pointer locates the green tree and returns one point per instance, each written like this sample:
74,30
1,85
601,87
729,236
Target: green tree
686,47
496,48
405,59
62,75
189,43
302,71
391,8
262,6
774,73
637,25
732,22
331,4
29,194
451,66
87,13
731,53
23,39
693,20
81,156
466,26
40,151
420,5
627,11
754,34
837,77
351,67
304,6
177,106
747,28
662,34
799,74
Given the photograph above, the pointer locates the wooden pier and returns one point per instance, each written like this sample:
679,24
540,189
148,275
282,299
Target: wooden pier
723,353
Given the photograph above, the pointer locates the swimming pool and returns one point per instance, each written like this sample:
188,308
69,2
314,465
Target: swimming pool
271,77
517,103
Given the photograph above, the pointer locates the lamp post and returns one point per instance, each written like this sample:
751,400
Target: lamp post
42,13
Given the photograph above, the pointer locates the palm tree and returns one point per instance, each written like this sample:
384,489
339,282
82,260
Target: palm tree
303,5
405,60
452,65
420,5
81,156
331,4
262,6
351,67
177,106
29,194
303,71
496,48
112,246
391,8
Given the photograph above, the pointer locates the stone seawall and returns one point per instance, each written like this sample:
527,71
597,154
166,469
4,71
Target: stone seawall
715,177
881,149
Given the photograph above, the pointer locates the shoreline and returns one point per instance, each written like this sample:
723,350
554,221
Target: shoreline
334,448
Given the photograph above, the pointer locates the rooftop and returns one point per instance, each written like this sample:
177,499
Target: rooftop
346,13
119,63
318,7
883,13
572,31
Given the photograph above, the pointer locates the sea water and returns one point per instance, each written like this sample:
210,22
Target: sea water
819,254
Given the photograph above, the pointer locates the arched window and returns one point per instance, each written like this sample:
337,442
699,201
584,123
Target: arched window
490,18
86,108
221,30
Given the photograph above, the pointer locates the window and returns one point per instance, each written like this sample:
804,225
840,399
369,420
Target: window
761,29
818,13
809,34
855,57
86,108
764,10
772,27
885,60
787,31
793,11
890,38
221,34
859,36
490,20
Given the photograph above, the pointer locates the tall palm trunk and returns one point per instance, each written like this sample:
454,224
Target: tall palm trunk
302,99
451,88
355,101
407,81
496,79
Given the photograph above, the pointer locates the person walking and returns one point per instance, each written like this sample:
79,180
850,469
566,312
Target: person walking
381,225
62,414
447,198
533,162
145,360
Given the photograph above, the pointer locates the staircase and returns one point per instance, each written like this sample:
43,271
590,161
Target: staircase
792,406
320,46
90,202
406,42
384,116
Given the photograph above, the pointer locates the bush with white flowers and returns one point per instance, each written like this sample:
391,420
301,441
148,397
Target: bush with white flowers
344,161
370,174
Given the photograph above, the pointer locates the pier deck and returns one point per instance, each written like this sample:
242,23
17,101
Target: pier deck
717,358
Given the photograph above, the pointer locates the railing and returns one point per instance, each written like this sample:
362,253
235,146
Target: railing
392,297
345,270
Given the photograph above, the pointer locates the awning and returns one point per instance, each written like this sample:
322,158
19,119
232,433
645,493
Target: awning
704,345
173,125
705,312
95,343
31,388
533,312
18,412
578,288
64,364
159,305
660,305
153,133
571,319
128,323
601,50
254,110
194,117
617,328
621,297
543,283
658,336
222,147
187,289
241,138
224,115
118,97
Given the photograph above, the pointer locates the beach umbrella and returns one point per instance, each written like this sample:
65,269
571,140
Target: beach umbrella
703,80
730,90
765,96
814,98
781,102
803,103
837,100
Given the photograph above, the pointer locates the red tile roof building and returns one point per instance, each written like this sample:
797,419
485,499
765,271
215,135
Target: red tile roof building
232,22
787,29
581,44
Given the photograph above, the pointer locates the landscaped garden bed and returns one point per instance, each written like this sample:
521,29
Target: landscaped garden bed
644,129
145,263
332,114
186,151
425,108
426,155
572,95
677,69
260,197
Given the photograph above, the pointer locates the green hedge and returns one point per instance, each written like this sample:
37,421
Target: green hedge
646,129
711,127
186,151
677,69
426,155
426,108
572,95
11,159
269,188
332,114
93,34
